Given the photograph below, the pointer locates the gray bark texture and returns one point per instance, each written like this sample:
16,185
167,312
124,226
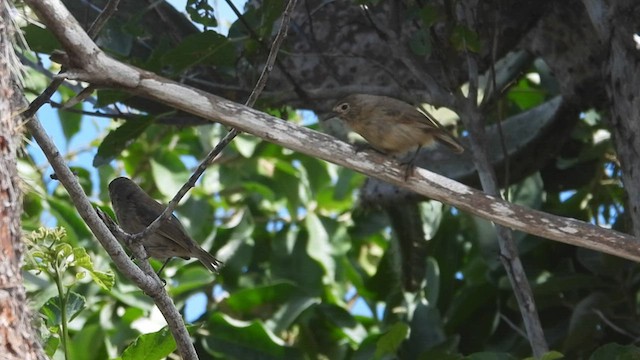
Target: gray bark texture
17,336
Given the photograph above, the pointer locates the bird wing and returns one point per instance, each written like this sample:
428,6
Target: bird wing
171,229
429,125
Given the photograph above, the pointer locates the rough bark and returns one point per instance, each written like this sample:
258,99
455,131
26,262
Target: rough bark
622,71
17,336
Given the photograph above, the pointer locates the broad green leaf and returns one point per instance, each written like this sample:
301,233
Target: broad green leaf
190,278
120,138
391,340
88,343
246,145
289,312
53,311
153,346
70,121
205,48
109,96
427,330
432,290
246,300
39,39
237,339
169,173
319,245
525,95
616,352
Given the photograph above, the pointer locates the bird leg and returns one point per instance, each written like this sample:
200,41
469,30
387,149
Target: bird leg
164,264
410,164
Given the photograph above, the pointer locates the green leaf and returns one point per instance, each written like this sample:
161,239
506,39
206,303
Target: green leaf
190,278
70,121
169,173
432,289
201,12
153,346
552,355
120,138
525,95
110,96
490,356
426,330
51,345
616,352
39,39
105,280
236,339
246,145
53,311
289,313
585,322
319,247
464,38
246,300
84,178
290,260
389,343
75,304
205,48
88,343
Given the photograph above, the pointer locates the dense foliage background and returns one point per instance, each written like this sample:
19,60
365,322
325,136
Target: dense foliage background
311,271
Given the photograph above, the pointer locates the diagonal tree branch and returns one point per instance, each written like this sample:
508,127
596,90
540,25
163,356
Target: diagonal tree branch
145,278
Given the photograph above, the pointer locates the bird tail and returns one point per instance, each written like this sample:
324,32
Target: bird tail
208,260
449,141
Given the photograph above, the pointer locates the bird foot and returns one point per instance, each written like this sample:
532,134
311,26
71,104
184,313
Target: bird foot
410,169
361,146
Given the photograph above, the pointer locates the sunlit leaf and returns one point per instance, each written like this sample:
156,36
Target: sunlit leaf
152,346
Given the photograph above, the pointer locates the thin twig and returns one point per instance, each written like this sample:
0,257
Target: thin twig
501,135
296,87
513,326
213,154
57,105
614,326
437,93
473,120
101,20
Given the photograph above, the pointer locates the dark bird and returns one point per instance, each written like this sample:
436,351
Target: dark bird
392,126
135,210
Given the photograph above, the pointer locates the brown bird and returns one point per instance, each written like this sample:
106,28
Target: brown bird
392,126
135,210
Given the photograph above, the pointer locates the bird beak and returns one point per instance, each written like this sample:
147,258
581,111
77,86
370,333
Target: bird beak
325,117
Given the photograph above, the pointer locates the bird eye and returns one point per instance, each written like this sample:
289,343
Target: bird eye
344,107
